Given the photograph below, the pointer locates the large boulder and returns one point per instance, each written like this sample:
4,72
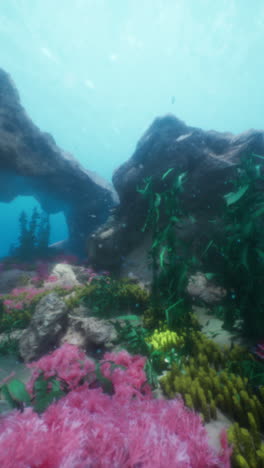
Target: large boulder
53,324
209,158
47,325
66,275
199,287
32,164
89,333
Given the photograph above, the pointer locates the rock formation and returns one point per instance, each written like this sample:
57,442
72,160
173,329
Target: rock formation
32,164
52,324
208,158
47,326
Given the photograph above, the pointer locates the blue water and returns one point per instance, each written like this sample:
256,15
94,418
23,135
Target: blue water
10,212
95,73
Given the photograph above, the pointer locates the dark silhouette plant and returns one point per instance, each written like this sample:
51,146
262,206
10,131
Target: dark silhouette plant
34,236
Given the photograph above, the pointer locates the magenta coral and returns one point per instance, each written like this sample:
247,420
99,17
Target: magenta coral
68,363
21,298
71,365
132,379
90,429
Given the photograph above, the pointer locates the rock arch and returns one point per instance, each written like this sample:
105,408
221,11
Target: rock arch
32,164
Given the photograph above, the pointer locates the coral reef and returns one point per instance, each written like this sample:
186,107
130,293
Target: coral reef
165,340
17,308
206,384
105,295
150,317
87,427
248,450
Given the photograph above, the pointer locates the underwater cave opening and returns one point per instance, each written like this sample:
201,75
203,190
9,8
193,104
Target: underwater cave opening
10,226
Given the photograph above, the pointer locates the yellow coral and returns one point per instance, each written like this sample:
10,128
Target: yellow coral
211,389
165,340
241,462
206,383
247,451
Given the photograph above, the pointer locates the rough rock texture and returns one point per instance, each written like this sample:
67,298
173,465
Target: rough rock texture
199,287
89,333
208,158
105,247
47,325
52,325
32,164
13,335
67,275
137,265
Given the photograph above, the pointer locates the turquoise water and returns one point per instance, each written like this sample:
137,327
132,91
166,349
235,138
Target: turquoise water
10,213
95,73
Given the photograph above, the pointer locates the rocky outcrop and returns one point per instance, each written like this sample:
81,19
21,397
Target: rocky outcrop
53,324
32,164
89,333
199,287
207,157
47,325
105,246
66,275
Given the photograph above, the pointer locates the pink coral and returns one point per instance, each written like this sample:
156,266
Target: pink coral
68,363
20,298
90,429
130,378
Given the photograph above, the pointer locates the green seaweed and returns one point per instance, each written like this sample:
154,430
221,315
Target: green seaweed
240,249
168,254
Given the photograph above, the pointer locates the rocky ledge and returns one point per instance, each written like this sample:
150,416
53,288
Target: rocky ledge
32,164
209,159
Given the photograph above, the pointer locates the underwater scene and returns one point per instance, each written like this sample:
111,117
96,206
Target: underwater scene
132,247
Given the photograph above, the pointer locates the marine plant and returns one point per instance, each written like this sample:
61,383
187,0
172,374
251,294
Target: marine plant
249,367
17,307
137,339
34,236
206,383
165,340
170,261
9,345
64,370
240,248
248,449
106,296
87,426
234,254
151,316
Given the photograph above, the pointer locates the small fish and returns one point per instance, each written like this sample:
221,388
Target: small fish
173,99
